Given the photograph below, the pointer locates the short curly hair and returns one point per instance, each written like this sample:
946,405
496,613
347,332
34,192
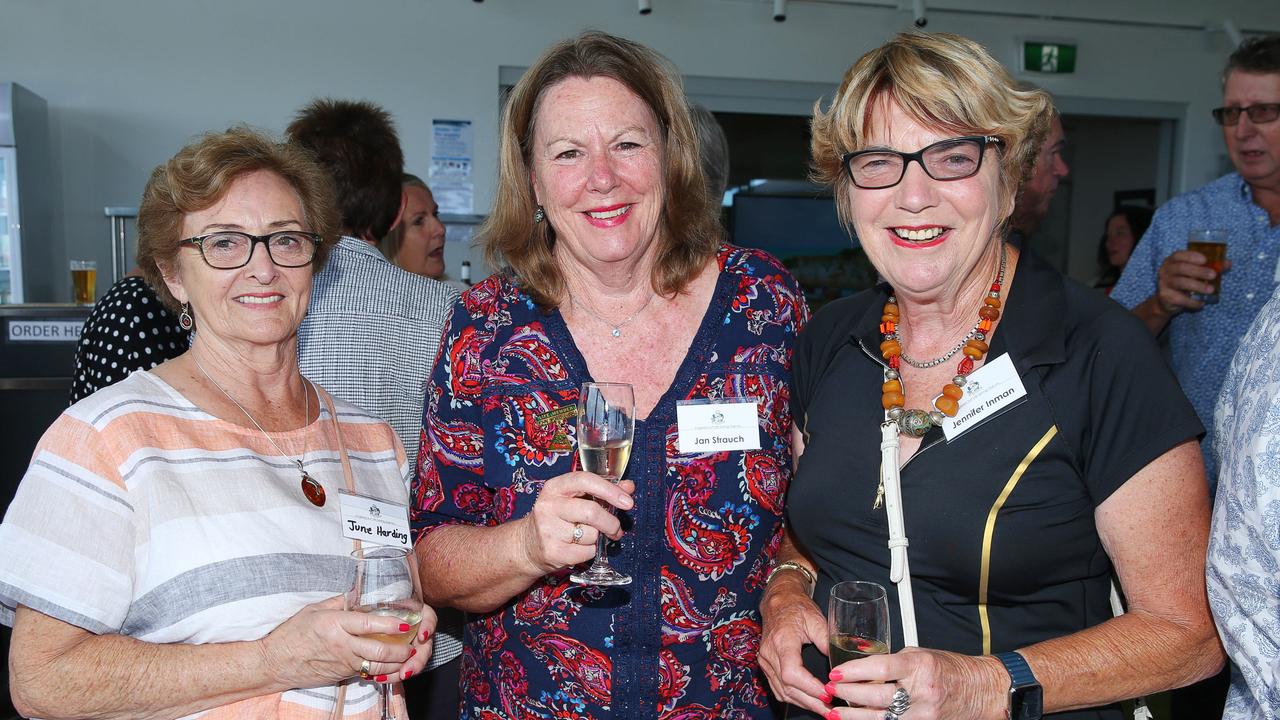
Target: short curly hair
199,176
942,81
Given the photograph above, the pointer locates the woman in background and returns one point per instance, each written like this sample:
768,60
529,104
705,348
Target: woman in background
1124,228
417,243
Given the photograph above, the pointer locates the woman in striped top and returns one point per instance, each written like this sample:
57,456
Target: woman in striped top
175,547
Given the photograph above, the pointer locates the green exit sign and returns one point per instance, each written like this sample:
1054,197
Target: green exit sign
1048,57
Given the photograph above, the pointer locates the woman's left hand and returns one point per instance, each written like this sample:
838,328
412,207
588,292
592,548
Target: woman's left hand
939,686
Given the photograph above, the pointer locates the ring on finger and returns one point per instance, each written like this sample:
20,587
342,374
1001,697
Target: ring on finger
577,534
901,702
891,715
365,669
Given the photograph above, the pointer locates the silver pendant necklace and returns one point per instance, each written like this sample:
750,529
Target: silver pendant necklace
311,488
615,328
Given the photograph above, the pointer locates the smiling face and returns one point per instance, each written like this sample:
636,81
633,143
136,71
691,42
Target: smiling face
1120,240
260,303
927,237
597,170
422,239
1254,148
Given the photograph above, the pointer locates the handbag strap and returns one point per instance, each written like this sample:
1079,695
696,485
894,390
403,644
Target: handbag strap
899,564
340,697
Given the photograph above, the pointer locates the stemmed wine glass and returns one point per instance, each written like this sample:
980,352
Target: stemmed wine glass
387,584
857,621
606,424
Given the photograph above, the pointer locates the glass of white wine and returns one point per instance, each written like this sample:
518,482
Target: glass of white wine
857,621
606,424
386,583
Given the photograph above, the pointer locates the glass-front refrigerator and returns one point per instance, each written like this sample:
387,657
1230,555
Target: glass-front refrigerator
10,224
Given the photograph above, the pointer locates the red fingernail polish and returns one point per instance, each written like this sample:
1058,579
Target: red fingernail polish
826,699
408,674
830,688
836,675
413,651
832,715
380,678
405,627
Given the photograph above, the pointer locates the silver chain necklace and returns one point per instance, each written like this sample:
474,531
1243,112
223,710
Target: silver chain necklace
616,328
311,489
923,364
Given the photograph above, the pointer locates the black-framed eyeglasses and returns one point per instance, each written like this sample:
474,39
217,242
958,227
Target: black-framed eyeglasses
230,249
1260,113
952,159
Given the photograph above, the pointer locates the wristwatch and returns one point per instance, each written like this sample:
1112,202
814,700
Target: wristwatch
1026,697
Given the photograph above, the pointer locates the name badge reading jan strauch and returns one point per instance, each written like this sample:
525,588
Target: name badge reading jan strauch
717,425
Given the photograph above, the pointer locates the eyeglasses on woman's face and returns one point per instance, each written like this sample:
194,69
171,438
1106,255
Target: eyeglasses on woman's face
1258,114
951,159
229,249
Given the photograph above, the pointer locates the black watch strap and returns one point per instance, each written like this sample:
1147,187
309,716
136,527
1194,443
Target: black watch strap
1026,698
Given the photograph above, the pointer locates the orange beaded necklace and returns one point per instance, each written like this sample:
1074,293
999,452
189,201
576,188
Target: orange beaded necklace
915,422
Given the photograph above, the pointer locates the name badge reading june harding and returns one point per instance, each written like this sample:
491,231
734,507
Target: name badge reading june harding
717,425
372,520
988,391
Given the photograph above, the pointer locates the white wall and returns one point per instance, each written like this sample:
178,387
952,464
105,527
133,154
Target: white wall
129,81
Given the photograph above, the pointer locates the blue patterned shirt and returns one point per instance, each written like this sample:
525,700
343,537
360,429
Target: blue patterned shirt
1200,341
1244,545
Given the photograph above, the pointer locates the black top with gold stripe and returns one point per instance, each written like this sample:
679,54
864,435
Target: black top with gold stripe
1004,551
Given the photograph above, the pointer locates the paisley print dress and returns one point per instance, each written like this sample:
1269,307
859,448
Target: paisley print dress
681,640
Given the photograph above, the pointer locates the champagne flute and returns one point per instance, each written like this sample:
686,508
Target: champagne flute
857,621
606,424
386,583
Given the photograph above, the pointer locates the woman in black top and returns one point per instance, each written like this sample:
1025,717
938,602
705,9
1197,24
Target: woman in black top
128,329
1068,451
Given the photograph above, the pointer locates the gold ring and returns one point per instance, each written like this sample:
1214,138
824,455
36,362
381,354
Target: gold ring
577,533
365,669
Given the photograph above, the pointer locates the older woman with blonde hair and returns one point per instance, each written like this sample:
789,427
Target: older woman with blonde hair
175,547
1030,440
614,271
416,244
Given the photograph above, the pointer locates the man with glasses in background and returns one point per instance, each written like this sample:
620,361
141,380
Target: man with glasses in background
1166,286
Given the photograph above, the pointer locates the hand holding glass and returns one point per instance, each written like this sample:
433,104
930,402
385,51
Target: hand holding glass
1212,244
606,424
857,621
387,584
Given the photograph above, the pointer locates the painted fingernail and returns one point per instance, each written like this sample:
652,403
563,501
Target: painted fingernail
380,678
408,673
832,715
827,698
830,688
405,627
413,651
836,675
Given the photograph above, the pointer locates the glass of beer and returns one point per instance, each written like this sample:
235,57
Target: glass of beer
857,621
84,281
1212,244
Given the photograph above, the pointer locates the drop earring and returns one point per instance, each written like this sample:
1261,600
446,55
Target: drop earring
184,318
539,215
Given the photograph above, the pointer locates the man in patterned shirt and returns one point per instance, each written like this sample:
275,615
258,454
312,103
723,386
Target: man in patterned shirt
372,330
1162,281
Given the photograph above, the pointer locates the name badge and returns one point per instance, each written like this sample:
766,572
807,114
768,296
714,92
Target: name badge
372,520
988,391
717,425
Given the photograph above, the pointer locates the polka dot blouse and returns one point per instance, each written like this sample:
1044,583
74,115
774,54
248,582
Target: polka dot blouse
128,329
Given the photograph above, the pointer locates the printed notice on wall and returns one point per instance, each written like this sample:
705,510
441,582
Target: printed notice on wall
451,158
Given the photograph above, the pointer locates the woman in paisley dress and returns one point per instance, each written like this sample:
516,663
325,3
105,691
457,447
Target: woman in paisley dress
614,271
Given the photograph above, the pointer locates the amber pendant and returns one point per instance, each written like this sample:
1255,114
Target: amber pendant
313,490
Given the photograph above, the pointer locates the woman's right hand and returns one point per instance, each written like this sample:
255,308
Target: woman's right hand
566,502
792,620
323,644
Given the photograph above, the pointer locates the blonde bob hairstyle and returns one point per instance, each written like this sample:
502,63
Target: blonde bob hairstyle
390,245
688,233
942,81
199,176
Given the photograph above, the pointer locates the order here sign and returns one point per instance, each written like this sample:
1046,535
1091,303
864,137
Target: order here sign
44,330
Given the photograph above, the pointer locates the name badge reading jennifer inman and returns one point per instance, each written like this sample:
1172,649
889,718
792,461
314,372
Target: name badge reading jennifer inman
372,520
989,391
717,425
